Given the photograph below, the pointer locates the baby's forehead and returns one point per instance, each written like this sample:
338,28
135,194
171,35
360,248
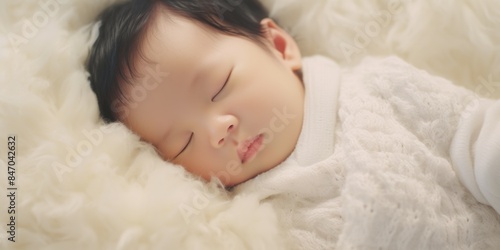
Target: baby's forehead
167,21
175,34
174,50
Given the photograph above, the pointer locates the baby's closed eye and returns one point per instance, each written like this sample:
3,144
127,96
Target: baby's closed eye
223,86
185,147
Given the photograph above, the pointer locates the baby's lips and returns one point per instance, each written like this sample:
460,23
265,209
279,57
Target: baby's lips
244,147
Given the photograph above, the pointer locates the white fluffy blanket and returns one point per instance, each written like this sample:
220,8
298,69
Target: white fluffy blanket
83,184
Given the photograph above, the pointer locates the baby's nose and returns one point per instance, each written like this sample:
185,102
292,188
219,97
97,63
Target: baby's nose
221,129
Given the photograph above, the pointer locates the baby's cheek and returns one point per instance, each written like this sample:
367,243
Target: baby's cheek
197,167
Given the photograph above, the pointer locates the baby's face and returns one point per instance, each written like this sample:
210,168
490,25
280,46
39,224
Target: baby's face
224,107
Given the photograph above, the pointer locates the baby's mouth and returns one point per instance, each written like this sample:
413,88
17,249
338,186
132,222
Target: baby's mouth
249,148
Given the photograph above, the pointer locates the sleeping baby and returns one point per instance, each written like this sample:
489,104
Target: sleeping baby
369,156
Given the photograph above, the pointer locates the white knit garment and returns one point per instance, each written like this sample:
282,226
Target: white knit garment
475,151
388,182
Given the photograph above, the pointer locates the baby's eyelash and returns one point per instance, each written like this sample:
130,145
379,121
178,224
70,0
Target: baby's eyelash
184,148
223,86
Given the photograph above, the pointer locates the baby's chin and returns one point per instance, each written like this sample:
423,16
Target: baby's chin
237,180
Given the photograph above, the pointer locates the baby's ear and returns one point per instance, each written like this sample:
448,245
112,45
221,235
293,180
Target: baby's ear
282,44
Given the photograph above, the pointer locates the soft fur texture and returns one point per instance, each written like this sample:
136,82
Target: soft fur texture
84,184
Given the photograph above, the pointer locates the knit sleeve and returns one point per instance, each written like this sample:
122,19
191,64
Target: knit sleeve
451,121
475,151
429,106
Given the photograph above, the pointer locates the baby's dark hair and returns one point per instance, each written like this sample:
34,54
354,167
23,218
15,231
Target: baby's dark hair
123,25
